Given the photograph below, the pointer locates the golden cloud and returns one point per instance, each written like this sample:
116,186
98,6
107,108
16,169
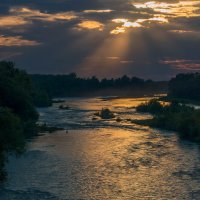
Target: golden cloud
10,21
24,16
10,41
27,13
89,24
98,11
125,24
136,24
180,9
126,61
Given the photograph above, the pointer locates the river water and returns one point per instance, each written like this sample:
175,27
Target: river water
103,159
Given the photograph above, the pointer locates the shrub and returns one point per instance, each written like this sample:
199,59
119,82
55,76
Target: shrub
105,113
174,117
153,106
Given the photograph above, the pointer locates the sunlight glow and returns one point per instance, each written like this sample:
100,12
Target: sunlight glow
125,24
158,19
163,12
120,20
132,24
118,30
136,24
108,55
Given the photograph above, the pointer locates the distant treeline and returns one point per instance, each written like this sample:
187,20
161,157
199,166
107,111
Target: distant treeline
71,85
185,86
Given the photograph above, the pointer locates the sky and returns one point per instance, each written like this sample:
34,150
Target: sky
105,38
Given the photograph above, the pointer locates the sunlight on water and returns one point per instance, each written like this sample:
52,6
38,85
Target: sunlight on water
99,159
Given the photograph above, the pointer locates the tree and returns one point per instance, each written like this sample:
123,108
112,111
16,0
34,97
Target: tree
18,115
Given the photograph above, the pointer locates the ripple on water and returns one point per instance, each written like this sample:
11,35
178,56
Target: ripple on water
103,160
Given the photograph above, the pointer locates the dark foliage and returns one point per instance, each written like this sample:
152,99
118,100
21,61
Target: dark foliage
105,113
186,86
18,115
71,85
175,117
41,98
153,106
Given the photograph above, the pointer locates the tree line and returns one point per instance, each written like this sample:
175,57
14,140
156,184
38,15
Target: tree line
71,85
185,86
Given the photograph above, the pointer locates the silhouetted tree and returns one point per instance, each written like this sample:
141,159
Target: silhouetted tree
71,85
18,115
185,86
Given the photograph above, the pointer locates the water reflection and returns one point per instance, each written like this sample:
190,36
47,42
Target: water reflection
104,159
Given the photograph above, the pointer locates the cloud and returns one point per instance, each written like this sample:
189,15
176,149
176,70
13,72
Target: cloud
12,21
135,24
19,16
123,36
126,61
180,8
182,64
90,25
98,11
32,14
125,24
9,41
113,58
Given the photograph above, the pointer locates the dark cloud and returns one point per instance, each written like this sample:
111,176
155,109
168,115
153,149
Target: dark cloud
102,37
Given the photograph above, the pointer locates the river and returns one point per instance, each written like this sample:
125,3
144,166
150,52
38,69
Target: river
103,159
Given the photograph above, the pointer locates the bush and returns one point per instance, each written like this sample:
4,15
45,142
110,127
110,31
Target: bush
189,128
105,113
174,117
153,106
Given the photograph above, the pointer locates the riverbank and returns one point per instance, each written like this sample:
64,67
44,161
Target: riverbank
174,116
180,100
